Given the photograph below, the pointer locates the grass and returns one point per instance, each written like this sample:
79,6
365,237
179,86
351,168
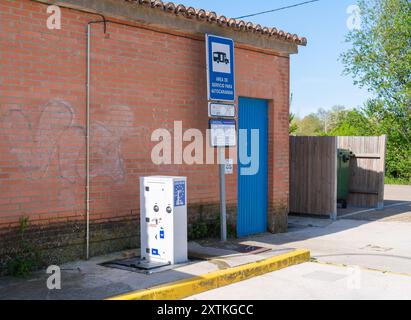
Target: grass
397,181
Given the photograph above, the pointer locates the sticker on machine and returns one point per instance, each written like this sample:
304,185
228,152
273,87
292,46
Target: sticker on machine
179,193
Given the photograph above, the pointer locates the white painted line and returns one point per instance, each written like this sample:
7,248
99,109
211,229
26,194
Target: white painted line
375,209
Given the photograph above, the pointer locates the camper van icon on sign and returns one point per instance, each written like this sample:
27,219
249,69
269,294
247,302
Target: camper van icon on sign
221,58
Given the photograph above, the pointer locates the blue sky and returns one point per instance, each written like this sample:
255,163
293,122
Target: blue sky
316,79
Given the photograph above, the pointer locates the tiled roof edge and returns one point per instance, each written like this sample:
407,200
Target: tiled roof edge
223,21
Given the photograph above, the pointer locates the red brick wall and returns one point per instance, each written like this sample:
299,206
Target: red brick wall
141,80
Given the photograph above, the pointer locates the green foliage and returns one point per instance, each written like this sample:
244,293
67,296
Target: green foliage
198,231
23,224
398,156
380,60
397,181
309,126
380,57
27,257
23,263
352,123
293,124
329,119
209,229
320,123
371,120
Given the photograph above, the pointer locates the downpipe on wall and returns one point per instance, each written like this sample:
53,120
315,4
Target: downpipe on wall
88,131
88,144
88,62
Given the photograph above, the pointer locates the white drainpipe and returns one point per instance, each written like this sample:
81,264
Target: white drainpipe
88,145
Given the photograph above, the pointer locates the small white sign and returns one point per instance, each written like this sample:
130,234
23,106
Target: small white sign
229,166
223,133
221,110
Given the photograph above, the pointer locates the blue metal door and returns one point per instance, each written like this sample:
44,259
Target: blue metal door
252,166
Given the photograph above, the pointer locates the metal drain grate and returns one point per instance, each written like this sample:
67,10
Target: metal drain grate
135,264
251,249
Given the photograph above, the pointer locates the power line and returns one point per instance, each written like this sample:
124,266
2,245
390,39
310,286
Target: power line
278,9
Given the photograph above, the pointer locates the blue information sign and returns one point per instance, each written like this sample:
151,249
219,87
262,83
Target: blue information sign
220,68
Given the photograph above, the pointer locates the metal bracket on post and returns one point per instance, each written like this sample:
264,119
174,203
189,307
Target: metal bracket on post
223,212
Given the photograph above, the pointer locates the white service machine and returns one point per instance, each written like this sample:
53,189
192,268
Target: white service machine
163,202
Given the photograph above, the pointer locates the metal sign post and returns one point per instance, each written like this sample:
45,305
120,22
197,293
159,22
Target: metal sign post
223,134
223,209
221,97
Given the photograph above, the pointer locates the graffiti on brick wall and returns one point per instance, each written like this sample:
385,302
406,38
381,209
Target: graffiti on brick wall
57,138
34,144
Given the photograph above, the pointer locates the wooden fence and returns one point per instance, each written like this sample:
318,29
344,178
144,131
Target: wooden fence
367,170
313,173
313,167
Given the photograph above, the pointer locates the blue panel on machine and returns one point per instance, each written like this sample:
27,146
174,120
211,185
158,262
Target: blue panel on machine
179,194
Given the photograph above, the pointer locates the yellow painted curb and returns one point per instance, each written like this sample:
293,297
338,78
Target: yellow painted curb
189,287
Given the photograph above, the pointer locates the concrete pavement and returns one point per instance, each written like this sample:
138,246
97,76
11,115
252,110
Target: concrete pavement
380,240
313,281
384,246
366,255
90,280
397,207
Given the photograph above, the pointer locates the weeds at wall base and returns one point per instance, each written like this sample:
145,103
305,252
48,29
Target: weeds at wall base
27,258
209,229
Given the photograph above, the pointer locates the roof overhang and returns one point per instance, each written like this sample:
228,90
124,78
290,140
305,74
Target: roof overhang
188,21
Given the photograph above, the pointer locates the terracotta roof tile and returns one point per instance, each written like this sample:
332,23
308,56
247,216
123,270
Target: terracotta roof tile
212,17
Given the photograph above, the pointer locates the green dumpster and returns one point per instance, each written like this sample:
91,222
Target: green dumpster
343,175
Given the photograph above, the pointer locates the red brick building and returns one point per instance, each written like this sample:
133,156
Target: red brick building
147,71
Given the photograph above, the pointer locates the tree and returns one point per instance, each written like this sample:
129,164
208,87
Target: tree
380,57
380,60
309,126
352,123
330,118
293,124
398,156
